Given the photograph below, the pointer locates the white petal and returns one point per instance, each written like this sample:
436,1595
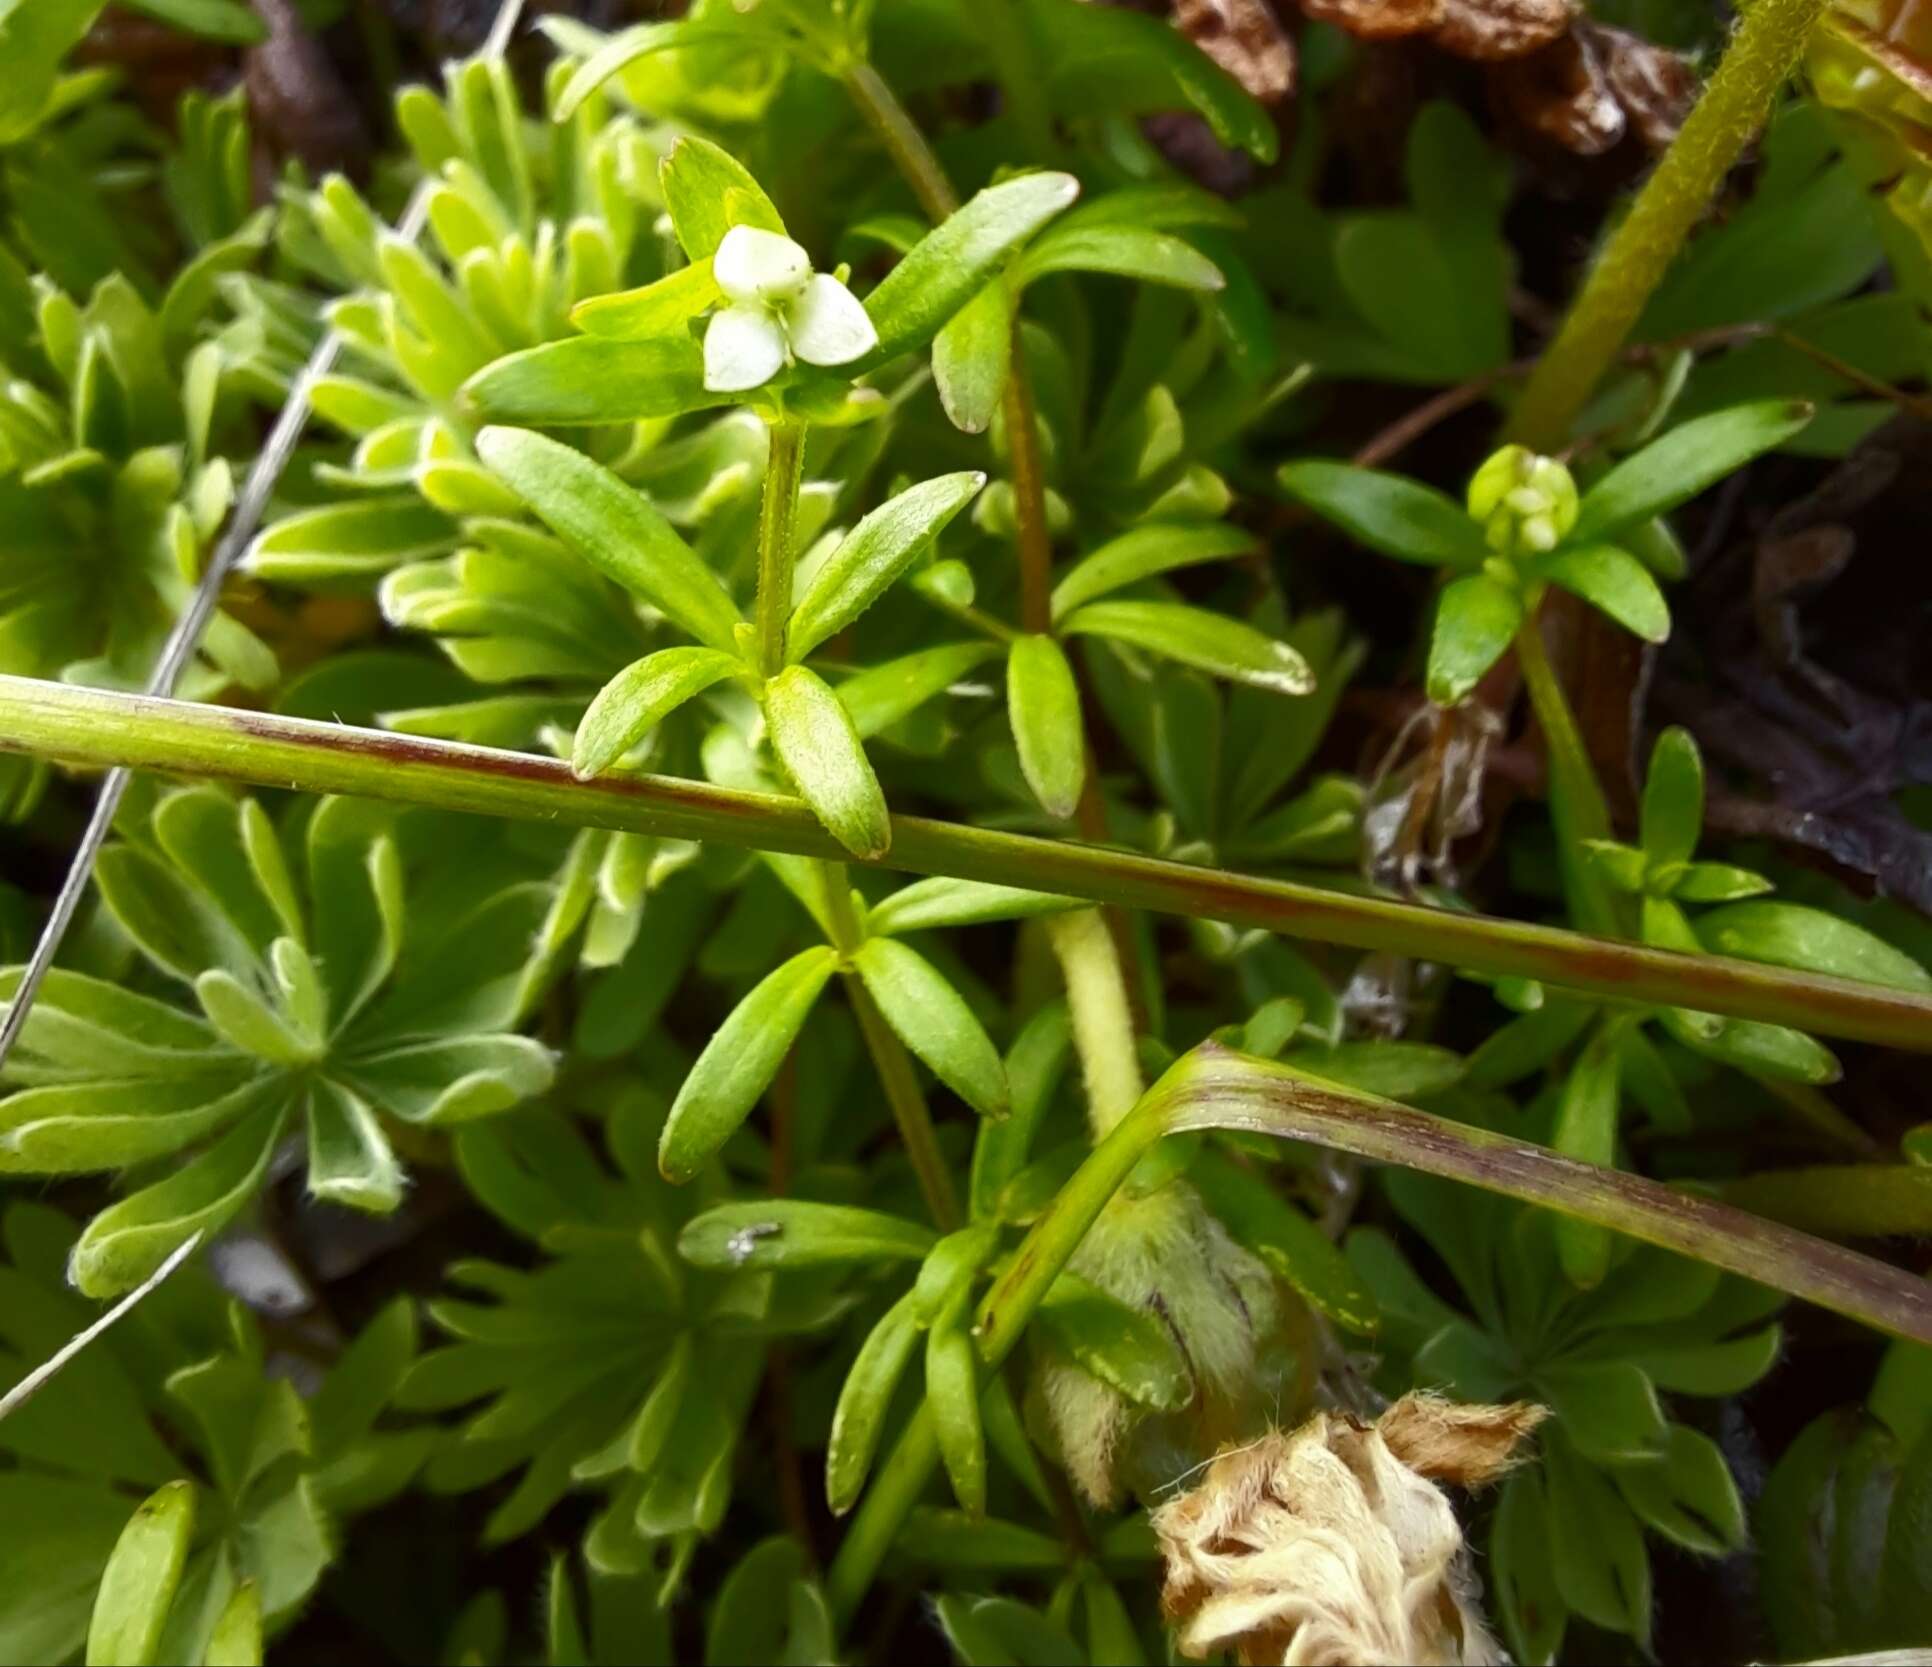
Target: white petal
754,265
743,348
829,327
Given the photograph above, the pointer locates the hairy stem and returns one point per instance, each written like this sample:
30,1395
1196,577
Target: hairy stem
108,728
1577,804
1103,1020
893,1064
1771,36
777,540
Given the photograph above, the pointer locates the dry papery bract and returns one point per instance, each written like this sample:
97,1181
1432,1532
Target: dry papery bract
1333,1545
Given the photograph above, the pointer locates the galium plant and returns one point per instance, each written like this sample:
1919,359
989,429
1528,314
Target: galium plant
743,484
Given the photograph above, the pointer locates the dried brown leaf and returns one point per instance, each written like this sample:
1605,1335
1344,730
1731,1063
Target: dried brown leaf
1489,30
1246,39
1379,20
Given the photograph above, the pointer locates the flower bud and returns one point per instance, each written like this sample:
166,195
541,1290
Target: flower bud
1527,504
1166,1254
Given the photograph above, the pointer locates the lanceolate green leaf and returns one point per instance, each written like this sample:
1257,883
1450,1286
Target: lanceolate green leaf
592,380
794,1233
971,356
1388,513
1141,553
656,309
950,264
1043,706
127,1241
874,554
707,191
934,1021
1691,457
1476,620
1127,251
138,1586
613,528
816,742
739,1062
858,1422
639,697
1612,581
1212,642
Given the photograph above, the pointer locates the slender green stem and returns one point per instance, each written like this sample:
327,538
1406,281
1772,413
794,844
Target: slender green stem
777,538
903,141
108,728
1214,1088
892,1063
1771,35
1577,804
1104,1031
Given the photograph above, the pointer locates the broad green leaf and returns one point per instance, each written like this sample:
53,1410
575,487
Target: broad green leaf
593,380
1689,1497
933,1020
349,542
1672,816
1144,551
953,262
127,1241
1152,257
927,904
350,1161
1527,1602
1043,707
870,557
1690,458
139,1583
971,356
655,309
821,751
1211,642
69,1128
952,1392
1596,1544
859,1419
1389,513
794,1233
708,191
1586,1129
247,1022
1808,940
639,698
1476,620
1609,1411
1613,582
614,528
1717,882
739,1062
1127,1348
1775,1050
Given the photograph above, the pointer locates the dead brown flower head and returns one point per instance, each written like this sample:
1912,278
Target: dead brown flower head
1333,1545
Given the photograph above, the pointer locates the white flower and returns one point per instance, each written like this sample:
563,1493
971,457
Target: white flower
777,308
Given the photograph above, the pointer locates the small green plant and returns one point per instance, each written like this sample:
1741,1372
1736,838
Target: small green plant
817,494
